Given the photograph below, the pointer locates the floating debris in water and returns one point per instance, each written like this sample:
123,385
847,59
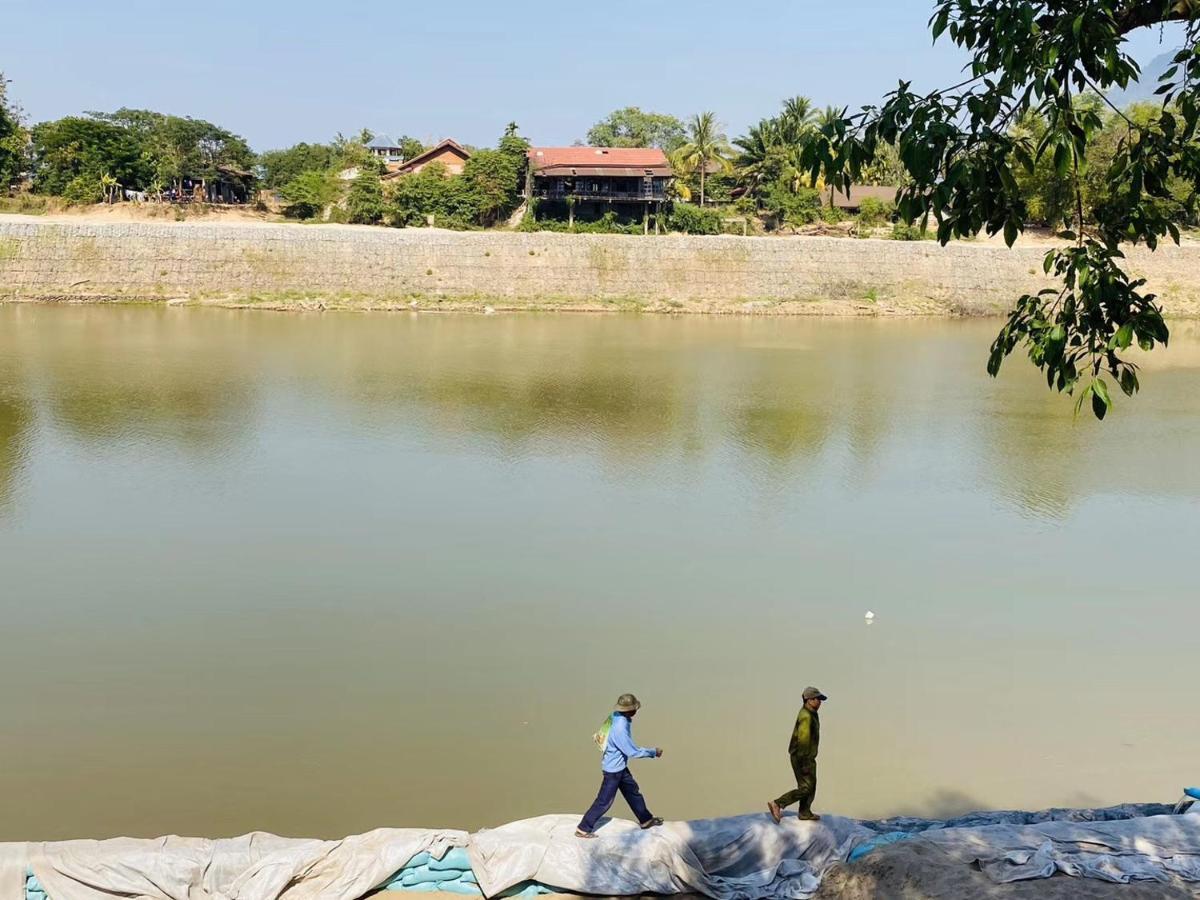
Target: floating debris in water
870,617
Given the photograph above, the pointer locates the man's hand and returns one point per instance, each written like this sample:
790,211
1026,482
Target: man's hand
658,753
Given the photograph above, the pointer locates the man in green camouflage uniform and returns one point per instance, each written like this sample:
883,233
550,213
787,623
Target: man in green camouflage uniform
806,738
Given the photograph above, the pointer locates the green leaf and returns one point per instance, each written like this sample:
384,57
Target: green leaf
1100,397
1129,381
1061,160
1124,336
1082,398
940,23
1010,232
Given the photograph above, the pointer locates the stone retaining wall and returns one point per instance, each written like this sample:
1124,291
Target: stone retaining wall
345,265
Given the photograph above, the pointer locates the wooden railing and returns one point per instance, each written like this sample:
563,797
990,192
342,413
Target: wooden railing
560,193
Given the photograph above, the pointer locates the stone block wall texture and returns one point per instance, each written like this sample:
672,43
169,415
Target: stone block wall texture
141,261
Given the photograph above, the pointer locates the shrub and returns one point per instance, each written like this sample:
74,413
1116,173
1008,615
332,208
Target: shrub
694,220
799,207
608,224
494,179
902,232
83,189
364,203
307,195
831,215
873,212
449,201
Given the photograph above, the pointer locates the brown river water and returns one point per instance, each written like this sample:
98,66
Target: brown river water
318,573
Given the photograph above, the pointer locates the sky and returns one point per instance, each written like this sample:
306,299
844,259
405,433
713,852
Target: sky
282,72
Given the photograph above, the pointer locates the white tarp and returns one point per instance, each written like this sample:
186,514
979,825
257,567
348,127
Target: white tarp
1155,848
252,867
731,859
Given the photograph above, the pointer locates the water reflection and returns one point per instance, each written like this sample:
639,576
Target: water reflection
16,422
107,376
847,395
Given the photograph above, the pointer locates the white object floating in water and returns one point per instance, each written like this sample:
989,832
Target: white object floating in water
870,617
489,310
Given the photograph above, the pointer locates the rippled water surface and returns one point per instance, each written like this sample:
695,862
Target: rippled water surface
318,573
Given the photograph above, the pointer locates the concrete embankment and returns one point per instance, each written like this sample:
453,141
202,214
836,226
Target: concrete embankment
292,266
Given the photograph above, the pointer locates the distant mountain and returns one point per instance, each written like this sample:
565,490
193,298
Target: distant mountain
1143,89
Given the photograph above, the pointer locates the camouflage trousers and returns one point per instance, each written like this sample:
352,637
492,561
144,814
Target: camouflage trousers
806,785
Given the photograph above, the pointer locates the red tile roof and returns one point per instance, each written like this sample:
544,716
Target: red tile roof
593,157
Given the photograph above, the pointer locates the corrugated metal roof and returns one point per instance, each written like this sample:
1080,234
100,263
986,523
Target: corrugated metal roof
858,192
382,142
608,171
595,157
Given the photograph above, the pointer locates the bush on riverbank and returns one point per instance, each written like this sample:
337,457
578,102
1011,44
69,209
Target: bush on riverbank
695,219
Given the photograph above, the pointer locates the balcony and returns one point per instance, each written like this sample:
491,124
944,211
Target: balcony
585,192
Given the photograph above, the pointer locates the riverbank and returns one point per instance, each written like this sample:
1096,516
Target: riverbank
315,267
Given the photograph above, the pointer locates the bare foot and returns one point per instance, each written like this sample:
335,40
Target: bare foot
775,810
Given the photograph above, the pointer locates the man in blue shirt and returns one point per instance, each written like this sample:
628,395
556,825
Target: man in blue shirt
616,740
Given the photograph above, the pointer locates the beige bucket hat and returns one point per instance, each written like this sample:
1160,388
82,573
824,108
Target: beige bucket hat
628,703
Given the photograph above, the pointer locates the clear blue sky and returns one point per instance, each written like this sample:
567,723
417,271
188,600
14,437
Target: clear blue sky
280,72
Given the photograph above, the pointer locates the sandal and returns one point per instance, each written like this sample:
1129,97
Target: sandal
651,823
584,834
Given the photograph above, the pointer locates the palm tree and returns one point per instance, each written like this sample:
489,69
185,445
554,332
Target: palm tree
771,149
756,146
796,120
706,145
683,169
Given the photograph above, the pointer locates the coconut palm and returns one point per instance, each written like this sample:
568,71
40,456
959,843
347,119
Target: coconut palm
796,120
706,146
684,169
754,158
771,149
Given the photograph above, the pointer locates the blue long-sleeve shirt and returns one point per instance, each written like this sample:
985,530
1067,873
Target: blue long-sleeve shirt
621,748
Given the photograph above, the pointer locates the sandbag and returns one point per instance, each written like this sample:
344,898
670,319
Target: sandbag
456,859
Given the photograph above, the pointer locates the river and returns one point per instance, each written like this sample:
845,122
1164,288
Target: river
318,573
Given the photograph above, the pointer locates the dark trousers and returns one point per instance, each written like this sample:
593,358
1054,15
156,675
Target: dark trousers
805,771
615,781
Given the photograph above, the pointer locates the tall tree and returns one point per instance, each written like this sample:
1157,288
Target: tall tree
630,127
962,159
277,167
364,202
705,146
410,146
796,120
769,153
13,137
72,154
181,147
